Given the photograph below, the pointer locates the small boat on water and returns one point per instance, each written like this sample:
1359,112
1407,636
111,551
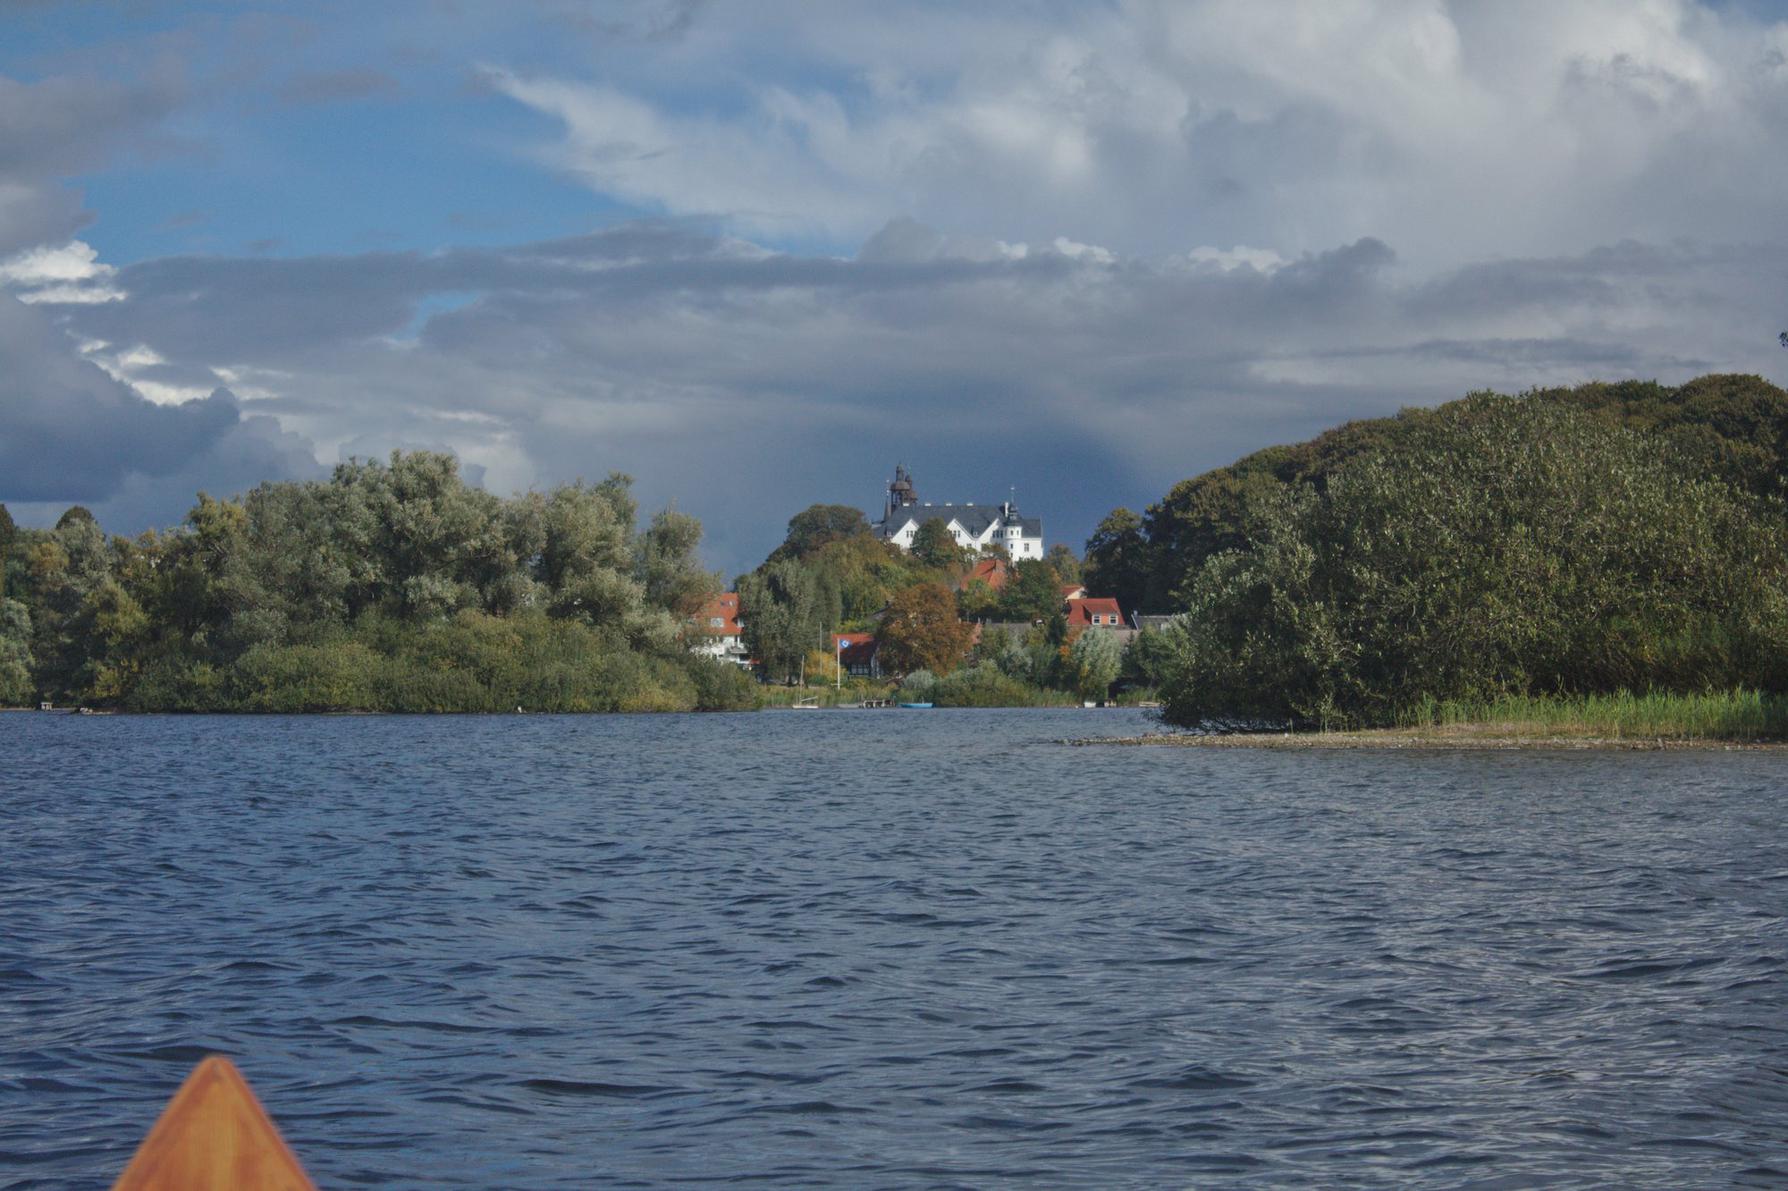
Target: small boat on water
214,1136
808,704
917,706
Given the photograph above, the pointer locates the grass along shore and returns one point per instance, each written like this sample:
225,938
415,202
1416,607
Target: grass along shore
1655,720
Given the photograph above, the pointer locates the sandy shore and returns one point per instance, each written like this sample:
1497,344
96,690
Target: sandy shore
1486,737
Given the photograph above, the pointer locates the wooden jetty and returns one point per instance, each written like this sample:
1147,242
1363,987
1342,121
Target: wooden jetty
214,1136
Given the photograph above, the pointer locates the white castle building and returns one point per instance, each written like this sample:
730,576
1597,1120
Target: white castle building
972,525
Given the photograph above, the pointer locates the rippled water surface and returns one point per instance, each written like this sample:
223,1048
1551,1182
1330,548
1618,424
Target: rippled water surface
890,949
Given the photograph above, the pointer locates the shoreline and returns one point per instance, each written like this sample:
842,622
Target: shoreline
773,707
1453,738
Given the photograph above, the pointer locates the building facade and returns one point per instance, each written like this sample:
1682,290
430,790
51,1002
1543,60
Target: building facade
717,632
974,526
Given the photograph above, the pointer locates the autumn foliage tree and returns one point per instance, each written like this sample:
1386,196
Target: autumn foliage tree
921,631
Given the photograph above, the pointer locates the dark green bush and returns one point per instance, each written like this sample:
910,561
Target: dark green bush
1503,547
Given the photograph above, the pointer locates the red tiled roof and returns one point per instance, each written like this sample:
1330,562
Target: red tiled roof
1083,612
854,648
992,571
724,608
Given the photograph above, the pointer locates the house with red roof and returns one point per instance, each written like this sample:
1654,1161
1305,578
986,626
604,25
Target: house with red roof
995,572
856,652
1093,612
718,632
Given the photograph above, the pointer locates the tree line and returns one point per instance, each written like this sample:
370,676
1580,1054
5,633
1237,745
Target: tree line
1568,541
391,586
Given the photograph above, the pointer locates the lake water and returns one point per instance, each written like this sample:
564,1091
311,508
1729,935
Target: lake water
892,949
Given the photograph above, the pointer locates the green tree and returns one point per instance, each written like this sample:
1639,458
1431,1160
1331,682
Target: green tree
1117,559
1064,562
63,569
1146,659
1033,593
977,600
865,572
8,532
16,687
393,585
922,631
786,611
1094,659
818,526
935,546
586,560
669,568
1733,428
1503,547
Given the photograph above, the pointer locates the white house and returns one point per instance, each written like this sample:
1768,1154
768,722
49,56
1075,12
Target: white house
976,526
717,632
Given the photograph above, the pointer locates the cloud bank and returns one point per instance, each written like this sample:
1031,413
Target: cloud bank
1085,251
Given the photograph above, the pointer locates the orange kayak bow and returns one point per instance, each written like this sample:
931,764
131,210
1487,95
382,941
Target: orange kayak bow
214,1136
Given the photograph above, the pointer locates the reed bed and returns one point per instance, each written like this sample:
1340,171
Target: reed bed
1738,715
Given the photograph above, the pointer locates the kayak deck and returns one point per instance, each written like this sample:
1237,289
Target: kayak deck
214,1135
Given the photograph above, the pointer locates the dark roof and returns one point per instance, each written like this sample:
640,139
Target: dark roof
973,518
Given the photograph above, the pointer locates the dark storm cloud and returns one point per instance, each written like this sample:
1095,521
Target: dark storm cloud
68,431
253,451
715,371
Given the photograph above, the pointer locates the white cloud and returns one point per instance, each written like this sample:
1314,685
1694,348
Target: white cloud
1090,253
70,273
1460,131
1263,260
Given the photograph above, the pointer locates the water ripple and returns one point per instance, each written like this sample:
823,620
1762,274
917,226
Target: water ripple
892,950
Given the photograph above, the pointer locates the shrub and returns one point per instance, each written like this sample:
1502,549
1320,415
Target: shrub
918,687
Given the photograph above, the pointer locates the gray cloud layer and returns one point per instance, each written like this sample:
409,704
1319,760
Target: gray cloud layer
746,384
55,127
1138,240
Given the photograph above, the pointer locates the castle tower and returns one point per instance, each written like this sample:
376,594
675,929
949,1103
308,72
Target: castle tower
901,492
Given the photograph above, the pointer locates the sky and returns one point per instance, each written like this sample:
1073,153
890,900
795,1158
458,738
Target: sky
756,255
